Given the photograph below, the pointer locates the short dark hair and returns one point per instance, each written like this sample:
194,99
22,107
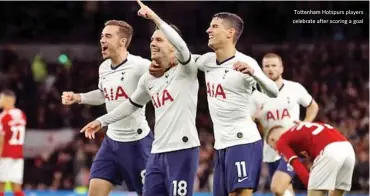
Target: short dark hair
8,93
174,27
125,29
234,21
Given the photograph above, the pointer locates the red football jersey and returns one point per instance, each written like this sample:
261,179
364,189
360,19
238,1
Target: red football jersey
310,138
13,127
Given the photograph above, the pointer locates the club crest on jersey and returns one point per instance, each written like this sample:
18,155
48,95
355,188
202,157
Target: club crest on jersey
277,114
122,77
162,98
112,94
215,90
226,71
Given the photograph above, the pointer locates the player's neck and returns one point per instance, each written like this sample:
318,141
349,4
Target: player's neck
7,108
224,53
279,82
119,58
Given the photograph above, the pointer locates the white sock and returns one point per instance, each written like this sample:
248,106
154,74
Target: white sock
288,193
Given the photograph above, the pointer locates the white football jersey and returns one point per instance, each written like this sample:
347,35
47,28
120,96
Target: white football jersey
282,110
118,84
174,97
229,93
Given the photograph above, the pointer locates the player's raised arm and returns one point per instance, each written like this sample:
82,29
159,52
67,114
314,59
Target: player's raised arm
251,68
183,54
137,100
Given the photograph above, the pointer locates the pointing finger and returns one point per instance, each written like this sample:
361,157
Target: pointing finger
141,4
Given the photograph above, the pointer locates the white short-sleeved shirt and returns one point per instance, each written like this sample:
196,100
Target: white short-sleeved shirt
282,110
174,97
229,93
117,84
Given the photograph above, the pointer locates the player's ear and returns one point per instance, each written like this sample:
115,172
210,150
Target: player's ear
231,33
123,41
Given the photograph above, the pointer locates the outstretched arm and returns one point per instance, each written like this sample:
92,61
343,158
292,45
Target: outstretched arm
183,53
95,97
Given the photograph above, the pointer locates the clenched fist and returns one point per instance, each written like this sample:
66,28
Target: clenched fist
69,98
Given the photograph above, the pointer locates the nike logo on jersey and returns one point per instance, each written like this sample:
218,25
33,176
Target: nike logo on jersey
150,88
242,179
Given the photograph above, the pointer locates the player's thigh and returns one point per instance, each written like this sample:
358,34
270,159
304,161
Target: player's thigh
219,177
5,165
323,173
11,170
345,173
155,179
282,177
133,160
243,166
99,187
104,166
181,171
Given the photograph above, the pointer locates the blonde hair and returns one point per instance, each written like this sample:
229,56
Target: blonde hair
273,55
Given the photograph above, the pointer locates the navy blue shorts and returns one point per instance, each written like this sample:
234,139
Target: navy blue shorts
237,167
123,161
280,165
171,173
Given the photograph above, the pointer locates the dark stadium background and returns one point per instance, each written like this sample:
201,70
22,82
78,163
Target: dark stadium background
38,60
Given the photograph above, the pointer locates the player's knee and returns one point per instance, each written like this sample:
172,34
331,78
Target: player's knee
277,189
2,187
99,187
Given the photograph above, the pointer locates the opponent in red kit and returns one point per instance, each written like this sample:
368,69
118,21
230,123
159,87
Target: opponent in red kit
333,155
12,132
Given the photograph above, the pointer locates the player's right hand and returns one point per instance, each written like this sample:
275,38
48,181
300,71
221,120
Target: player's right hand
91,128
145,11
68,98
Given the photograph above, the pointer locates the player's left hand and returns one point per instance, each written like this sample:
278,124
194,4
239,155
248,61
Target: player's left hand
156,70
145,11
91,128
243,68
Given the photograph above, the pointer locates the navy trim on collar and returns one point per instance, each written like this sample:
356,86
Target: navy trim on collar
114,68
281,87
219,63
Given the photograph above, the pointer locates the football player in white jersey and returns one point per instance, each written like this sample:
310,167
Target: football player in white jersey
126,147
283,110
230,78
172,165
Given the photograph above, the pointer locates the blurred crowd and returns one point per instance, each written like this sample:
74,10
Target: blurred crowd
334,70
